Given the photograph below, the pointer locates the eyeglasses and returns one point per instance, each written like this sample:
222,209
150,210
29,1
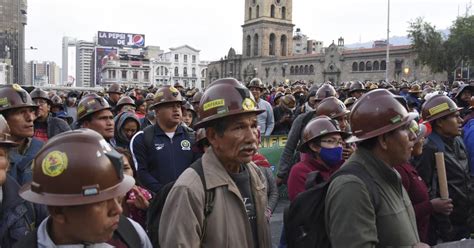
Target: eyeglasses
333,142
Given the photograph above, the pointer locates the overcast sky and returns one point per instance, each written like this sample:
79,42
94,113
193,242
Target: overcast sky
213,26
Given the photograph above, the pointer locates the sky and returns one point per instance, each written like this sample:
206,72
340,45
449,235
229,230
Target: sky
213,26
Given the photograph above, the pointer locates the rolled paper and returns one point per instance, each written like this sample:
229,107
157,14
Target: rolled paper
442,180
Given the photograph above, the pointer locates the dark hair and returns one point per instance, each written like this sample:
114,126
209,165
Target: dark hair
368,144
129,157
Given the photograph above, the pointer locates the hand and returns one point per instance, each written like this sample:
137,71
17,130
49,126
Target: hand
442,206
285,118
268,213
279,181
140,201
347,152
421,245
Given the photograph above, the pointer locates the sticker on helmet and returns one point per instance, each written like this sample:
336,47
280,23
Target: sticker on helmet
17,87
439,108
396,119
213,104
159,94
248,104
4,102
91,102
54,164
185,145
173,89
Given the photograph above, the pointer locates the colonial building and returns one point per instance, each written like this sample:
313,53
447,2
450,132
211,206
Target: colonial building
268,54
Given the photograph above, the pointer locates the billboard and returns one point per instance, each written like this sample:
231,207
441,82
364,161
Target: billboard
113,39
102,56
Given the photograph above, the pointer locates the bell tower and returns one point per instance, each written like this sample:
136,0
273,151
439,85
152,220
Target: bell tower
268,28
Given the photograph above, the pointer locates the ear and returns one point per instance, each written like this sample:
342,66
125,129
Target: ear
57,214
382,140
211,136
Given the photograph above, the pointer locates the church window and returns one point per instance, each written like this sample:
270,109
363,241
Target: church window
250,13
383,65
361,66
272,11
368,66
301,69
376,66
255,45
306,69
292,70
283,45
257,13
355,67
311,69
272,44
249,40
283,13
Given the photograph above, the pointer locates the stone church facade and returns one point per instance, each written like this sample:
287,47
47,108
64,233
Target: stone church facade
267,43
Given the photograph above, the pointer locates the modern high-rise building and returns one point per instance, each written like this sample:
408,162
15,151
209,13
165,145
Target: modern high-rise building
12,36
69,61
42,73
84,63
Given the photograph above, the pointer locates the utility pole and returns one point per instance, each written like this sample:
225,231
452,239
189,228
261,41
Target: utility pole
388,43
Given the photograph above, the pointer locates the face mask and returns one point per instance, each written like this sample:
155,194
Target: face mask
331,156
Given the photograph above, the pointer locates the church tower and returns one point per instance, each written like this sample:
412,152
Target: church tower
268,28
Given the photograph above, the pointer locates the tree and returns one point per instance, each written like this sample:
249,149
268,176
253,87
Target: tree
429,45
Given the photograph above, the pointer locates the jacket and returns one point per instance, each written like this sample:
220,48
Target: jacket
265,120
299,172
17,217
468,137
56,126
282,128
418,193
21,161
227,224
163,163
352,221
120,139
457,174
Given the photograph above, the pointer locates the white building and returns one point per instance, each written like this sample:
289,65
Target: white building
68,61
42,73
303,45
84,62
180,65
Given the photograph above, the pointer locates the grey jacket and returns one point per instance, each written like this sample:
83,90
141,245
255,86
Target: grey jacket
294,138
352,220
272,189
56,126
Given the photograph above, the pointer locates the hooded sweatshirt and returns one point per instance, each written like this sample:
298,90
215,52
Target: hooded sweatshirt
120,139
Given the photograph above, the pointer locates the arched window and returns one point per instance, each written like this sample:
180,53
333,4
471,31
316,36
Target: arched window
283,13
311,69
383,65
272,11
361,66
250,13
292,70
368,66
255,45
283,45
272,44
376,66
176,72
301,69
257,13
249,40
306,69
355,67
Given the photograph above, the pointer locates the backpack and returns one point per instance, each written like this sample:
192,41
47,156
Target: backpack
126,231
155,209
304,219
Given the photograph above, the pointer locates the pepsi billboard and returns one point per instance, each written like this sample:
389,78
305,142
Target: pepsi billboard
113,39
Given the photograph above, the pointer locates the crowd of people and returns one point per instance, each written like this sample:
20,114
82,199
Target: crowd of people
174,167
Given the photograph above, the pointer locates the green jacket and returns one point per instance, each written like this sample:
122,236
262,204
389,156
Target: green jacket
351,220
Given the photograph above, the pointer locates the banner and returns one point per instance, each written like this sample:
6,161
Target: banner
272,147
114,39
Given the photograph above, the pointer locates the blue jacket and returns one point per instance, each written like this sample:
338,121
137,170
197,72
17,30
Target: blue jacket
165,161
20,164
17,217
469,142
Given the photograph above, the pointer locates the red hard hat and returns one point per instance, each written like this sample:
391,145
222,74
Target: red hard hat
75,168
375,113
225,97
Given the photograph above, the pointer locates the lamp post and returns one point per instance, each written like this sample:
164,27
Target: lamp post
388,42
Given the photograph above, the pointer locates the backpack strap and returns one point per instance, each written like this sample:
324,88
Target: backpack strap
128,233
148,135
359,171
209,195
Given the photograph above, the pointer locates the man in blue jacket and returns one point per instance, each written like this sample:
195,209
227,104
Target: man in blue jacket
162,151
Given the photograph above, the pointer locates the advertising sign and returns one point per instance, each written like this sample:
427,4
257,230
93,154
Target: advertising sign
272,147
102,56
113,39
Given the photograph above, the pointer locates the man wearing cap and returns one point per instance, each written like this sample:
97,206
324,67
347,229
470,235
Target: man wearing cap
19,109
381,126
46,126
266,122
84,210
114,93
162,151
444,116
95,113
17,216
237,219
463,98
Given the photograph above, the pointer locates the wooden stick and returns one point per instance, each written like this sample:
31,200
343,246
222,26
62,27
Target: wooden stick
443,182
